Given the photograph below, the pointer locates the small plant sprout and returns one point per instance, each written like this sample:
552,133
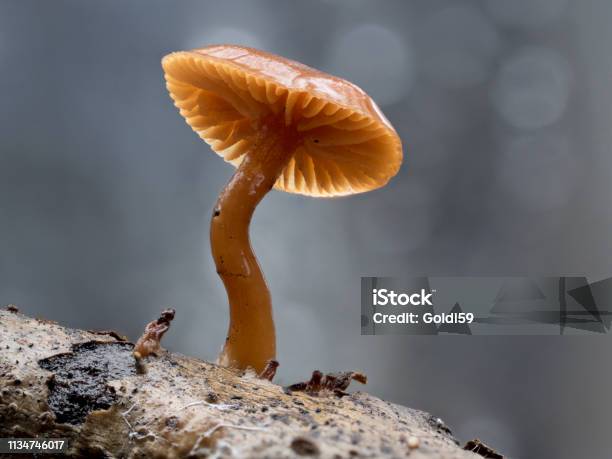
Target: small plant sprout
270,370
283,125
149,342
335,383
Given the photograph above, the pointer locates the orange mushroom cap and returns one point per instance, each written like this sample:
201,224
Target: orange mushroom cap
346,145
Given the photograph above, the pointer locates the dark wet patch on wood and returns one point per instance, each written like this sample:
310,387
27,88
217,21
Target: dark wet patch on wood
303,446
79,382
478,447
111,333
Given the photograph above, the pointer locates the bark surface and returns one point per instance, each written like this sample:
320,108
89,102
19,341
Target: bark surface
83,386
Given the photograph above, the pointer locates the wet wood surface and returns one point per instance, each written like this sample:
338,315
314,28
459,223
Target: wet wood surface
60,382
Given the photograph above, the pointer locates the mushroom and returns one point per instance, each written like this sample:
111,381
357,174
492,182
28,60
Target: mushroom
283,125
150,340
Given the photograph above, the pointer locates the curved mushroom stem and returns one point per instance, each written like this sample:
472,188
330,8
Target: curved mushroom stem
251,340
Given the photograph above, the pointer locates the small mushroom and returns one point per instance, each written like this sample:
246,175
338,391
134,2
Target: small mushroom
150,340
336,383
270,370
283,125
413,442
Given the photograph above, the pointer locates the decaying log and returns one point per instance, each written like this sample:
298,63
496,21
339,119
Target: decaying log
59,382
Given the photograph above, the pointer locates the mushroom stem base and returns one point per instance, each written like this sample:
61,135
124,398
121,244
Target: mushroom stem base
251,340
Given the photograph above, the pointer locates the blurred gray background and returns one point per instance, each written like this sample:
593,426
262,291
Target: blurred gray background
505,111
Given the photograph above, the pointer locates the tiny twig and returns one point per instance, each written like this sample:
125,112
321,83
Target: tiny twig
134,435
124,416
222,406
129,410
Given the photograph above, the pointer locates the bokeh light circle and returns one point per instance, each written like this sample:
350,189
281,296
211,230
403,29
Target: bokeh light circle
532,88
